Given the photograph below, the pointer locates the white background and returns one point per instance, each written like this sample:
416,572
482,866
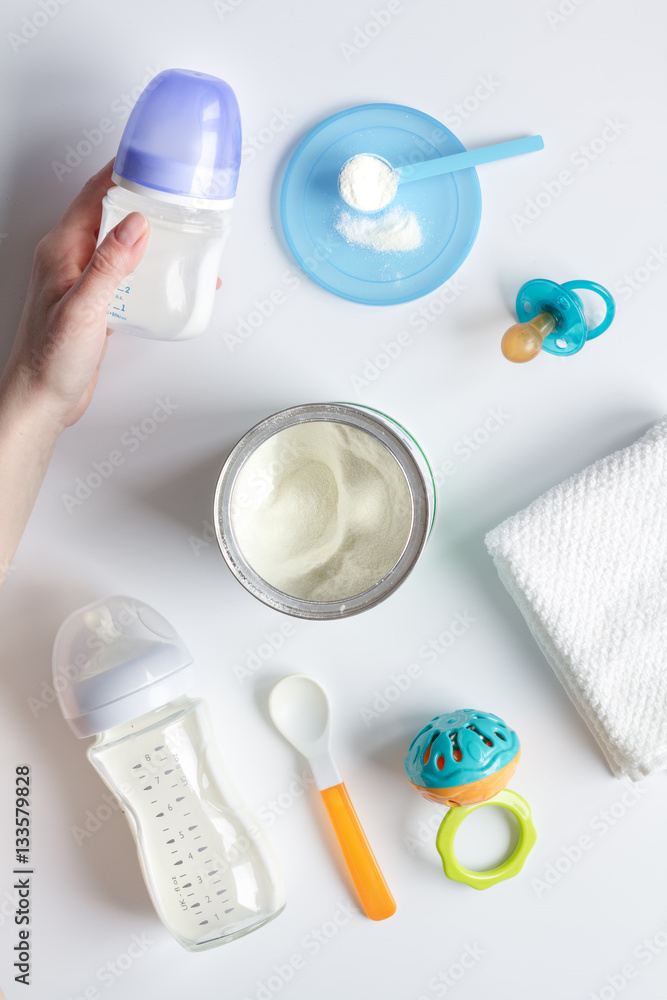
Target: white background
560,75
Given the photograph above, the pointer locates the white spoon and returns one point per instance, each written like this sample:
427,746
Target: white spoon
299,707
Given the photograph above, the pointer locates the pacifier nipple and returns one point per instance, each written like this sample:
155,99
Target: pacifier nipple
523,341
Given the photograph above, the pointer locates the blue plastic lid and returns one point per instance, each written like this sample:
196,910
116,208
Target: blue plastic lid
183,137
447,208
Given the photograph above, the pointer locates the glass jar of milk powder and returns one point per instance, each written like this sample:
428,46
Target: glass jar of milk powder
322,510
122,674
178,164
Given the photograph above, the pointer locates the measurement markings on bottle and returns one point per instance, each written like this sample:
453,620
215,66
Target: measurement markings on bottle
154,773
22,885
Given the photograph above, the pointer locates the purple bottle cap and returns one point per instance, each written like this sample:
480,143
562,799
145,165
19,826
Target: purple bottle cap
183,138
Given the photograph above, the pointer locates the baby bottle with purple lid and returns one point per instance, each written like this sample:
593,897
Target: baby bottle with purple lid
178,164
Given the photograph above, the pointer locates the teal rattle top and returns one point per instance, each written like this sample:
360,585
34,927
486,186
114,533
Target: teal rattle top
552,318
464,759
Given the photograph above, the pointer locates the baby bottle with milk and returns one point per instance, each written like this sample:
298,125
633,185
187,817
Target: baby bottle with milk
178,164
123,675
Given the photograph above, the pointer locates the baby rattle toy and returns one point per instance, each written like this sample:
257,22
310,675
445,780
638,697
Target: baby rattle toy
464,759
555,319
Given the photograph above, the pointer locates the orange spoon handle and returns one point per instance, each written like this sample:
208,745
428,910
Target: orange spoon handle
376,899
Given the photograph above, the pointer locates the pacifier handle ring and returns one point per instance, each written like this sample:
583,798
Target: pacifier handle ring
512,865
605,295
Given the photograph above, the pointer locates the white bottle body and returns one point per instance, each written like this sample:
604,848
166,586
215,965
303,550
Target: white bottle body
170,294
207,864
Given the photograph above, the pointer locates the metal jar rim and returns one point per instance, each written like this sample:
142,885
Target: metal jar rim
352,416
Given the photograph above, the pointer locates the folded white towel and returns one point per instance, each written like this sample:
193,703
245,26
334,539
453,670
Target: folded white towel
587,566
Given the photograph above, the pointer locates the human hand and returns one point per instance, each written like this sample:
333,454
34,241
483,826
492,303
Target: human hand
52,370
62,334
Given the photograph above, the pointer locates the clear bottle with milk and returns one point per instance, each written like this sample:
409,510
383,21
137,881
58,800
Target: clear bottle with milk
178,164
123,675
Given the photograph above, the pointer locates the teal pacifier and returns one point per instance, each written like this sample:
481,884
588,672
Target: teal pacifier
552,318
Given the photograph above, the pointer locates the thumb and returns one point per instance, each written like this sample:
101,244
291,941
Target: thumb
118,254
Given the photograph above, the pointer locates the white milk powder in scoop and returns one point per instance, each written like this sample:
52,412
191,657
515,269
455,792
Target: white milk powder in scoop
367,182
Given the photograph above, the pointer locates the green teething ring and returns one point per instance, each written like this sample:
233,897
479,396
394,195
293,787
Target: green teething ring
444,841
